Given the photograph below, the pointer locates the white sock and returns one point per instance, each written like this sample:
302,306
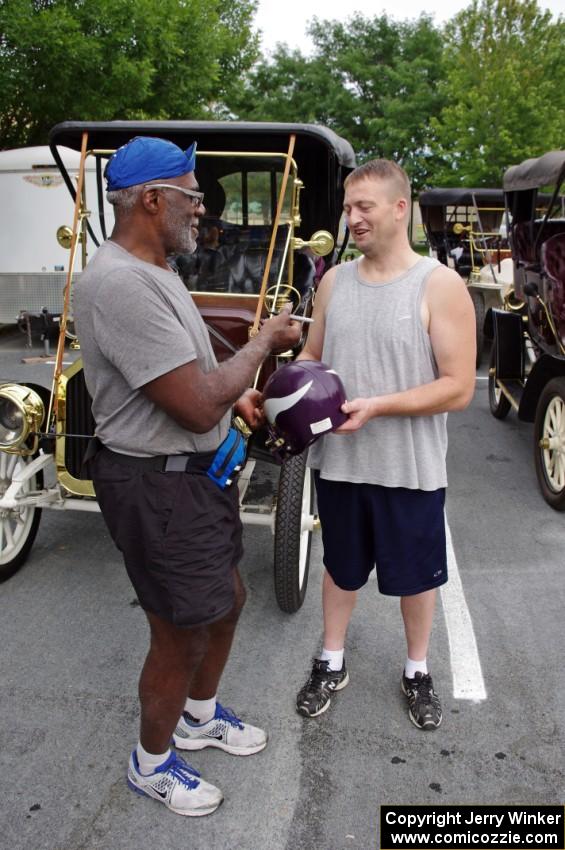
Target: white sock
201,710
334,656
412,667
148,762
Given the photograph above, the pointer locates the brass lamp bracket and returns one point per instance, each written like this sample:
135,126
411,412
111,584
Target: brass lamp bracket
321,243
278,295
64,236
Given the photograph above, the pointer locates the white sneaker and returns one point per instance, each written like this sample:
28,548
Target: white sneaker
224,730
176,784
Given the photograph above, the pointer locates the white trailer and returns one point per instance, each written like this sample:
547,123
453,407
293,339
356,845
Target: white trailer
35,202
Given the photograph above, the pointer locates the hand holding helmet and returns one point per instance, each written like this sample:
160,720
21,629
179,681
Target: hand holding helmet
249,407
302,402
358,411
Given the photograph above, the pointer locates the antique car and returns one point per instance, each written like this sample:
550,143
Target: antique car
273,198
527,366
466,230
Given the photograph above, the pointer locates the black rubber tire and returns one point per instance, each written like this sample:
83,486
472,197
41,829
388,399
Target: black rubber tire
11,565
478,300
554,493
292,547
498,403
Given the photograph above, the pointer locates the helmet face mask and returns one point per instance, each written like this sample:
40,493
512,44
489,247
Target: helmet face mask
302,402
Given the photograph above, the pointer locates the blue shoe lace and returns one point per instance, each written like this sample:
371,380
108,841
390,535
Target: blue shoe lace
185,773
228,715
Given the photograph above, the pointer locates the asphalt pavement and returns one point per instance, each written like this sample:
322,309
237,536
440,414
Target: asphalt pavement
73,641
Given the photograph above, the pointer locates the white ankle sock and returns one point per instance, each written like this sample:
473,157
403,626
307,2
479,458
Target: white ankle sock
202,710
412,667
148,762
334,656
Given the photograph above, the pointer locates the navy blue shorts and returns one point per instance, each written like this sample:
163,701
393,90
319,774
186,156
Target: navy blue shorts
400,531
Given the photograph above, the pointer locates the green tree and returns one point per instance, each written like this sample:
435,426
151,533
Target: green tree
504,90
374,81
109,59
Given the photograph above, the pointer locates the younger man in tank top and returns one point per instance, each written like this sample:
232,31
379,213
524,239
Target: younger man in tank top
399,329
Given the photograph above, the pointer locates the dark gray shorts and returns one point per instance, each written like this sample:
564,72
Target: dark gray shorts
179,534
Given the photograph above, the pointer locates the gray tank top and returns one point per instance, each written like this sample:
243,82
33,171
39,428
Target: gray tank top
375,341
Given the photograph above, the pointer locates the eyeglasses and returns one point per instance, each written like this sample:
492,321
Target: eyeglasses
197,198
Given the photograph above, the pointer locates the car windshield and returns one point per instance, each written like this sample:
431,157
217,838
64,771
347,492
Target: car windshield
240,196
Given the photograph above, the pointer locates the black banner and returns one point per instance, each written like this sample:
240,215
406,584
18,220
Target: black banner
472,827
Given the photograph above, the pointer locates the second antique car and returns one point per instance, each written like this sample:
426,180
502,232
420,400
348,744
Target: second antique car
466,229
273,198
527,366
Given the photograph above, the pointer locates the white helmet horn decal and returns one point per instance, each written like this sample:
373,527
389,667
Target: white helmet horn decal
274,406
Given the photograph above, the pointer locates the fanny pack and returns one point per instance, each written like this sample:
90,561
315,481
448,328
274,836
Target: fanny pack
229,459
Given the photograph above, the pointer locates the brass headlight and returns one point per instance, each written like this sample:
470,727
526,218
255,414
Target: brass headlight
21,414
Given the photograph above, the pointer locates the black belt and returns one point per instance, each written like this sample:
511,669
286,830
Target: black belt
195,462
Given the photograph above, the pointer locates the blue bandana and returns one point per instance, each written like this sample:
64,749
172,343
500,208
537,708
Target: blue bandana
146,158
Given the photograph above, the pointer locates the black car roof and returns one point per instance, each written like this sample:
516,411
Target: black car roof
540,171
460,196
210,135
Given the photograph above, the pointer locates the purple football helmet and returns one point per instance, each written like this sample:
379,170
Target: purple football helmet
302,401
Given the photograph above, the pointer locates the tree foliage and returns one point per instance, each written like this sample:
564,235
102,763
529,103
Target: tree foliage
106,59
374,81
504,90
454,105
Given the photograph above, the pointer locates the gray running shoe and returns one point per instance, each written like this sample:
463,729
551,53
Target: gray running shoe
315,697
424,707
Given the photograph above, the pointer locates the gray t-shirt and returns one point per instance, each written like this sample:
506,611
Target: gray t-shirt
375,341
135,322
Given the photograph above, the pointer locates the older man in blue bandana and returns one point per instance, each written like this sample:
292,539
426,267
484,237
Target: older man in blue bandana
163,409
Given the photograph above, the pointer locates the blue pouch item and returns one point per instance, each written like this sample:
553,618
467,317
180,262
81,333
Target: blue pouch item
229,459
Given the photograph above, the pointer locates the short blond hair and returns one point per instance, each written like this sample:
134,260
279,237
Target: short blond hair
382,169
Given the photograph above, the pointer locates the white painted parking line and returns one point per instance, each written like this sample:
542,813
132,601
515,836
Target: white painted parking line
468,682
